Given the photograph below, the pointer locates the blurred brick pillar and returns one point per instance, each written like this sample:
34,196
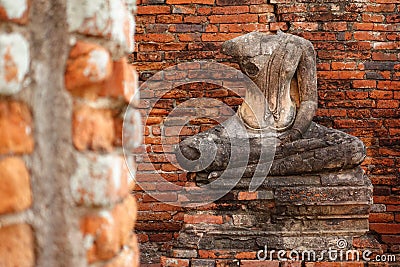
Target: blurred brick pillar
64,87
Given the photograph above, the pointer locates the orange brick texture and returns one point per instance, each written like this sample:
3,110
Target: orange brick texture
174,262
65,83
357,45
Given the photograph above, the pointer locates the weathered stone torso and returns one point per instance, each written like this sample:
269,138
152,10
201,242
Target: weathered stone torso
273,68
271,61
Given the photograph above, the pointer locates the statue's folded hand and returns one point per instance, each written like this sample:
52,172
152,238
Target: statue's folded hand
289,136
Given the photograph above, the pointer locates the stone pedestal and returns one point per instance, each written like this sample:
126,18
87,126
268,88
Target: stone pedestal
307,212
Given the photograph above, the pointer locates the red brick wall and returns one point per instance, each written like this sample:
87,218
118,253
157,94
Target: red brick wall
357,45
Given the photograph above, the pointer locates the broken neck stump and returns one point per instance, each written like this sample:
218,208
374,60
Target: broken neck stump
310,194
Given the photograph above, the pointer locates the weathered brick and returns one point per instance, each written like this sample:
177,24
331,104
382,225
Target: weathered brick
171,262
373,17
92,129
263,8
241,18
151,265
132,131
365,241
385,228
381,217
230,10
343,65
204,218
188,254
203,2
109,19
15,11
106,232
128,257
164,197
246,255
15,186
218,37
248,195
122,83
387,199
378,264
385,45
384,56
335,26
186,28
348,123
16,124
387,104
142,238
377,8
391,85
17,246
146,19
268,18
227,263
159,37
372,75
202,263
379,65
300,7
217,254
369,36
395,18
149,10
341,74
88,66
275,26
126,215
100,180
356,95
331,112
291,264
391,239
257,263
381,94
363,26
15,56
154,216
323,264
307,26
160,237
238,2
183,9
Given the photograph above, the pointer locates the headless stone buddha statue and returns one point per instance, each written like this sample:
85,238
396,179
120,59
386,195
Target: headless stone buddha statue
284,69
